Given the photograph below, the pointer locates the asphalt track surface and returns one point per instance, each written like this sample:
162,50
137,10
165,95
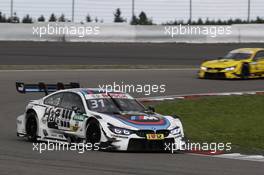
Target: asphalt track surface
58,53
17,157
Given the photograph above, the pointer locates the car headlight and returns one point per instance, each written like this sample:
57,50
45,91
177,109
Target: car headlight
120,131
203,68
230,68
176,130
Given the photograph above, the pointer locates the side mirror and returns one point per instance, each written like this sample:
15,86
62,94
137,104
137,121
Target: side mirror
151,108
77,110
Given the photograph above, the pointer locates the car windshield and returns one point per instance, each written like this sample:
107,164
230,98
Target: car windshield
112,104
237,56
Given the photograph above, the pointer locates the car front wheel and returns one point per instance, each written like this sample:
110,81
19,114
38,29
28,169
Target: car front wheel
245,72
93,132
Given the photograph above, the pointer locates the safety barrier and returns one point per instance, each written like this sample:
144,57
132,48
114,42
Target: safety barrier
97,32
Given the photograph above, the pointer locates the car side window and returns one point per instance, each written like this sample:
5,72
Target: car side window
53,100
259,56
71,100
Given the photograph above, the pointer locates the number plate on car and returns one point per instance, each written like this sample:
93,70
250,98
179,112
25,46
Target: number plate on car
155,136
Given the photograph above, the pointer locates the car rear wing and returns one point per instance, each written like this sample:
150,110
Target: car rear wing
42,87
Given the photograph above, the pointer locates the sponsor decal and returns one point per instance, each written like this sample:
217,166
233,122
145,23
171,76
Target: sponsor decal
120,95
45,132
144,118
74,128
144,122
56,117
79,118
106,95
96,96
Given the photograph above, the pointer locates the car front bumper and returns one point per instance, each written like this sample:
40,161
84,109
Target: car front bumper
135,143
218,75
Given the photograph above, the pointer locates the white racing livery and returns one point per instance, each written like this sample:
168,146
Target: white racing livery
112,120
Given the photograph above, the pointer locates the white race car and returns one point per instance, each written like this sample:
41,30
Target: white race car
114,120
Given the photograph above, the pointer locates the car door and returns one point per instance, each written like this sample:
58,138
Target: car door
72,112
52,111
259,62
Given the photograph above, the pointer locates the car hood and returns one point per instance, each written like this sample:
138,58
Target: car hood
144,121
222,63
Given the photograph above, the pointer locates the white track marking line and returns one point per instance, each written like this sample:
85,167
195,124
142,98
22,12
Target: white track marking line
100,70
238,156
173,97
233,156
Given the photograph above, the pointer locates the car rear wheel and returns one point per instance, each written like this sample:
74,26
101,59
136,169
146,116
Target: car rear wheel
93,132
31,127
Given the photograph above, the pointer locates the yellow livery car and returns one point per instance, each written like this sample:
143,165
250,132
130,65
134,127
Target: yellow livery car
241,63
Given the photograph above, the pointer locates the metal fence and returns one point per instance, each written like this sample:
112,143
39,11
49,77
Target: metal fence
160,11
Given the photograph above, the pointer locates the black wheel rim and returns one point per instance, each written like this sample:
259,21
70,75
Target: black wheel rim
93,134
31,128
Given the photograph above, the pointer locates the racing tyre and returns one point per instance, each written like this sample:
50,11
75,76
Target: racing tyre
93,132
245,71
31,127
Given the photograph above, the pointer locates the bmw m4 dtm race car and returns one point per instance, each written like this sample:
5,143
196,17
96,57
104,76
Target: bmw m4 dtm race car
241,63
114,120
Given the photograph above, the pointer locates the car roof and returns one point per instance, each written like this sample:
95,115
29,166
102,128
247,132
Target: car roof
250,50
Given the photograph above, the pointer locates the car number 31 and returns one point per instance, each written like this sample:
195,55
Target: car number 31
97,103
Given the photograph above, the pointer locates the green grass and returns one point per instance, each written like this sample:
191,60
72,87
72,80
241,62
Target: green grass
235,119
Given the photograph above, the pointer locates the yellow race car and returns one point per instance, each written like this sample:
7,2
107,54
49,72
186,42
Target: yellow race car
241,63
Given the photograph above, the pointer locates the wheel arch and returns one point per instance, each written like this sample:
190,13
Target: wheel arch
89,120
31,111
